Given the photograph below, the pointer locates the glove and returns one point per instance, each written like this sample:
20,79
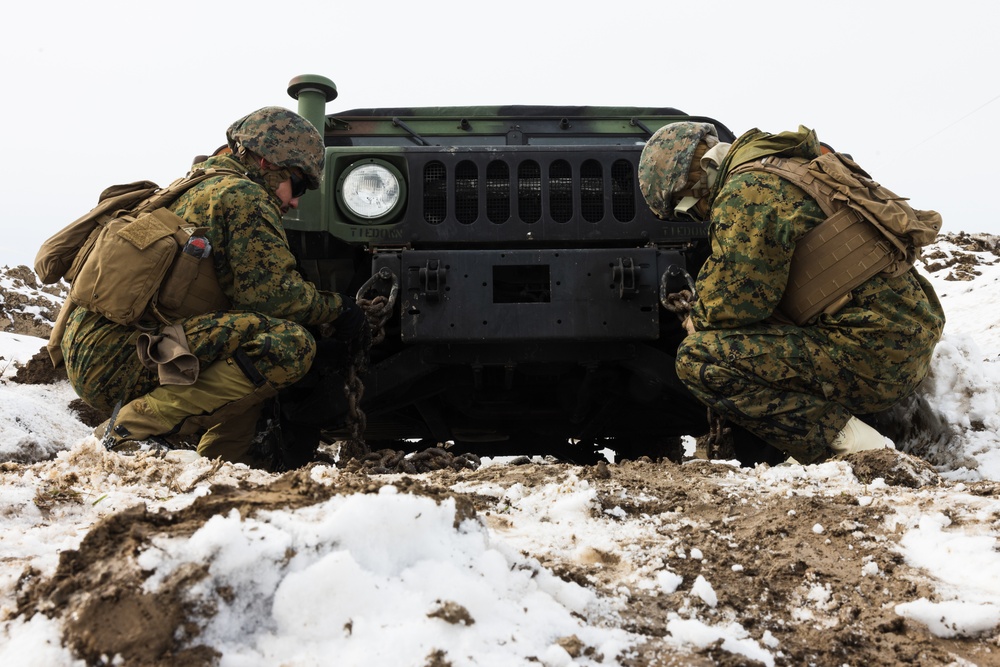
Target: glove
351,322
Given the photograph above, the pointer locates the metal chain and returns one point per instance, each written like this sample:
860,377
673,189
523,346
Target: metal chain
679,303
718,443
682,299
388,461
354,453
377,309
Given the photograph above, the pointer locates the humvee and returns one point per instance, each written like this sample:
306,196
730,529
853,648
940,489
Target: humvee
527,276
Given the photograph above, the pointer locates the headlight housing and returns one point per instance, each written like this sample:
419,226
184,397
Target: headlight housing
371,192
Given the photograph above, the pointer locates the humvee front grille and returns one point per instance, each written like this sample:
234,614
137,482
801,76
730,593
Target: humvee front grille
509,194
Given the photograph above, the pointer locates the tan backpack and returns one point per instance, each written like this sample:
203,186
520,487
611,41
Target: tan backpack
124,258
868,230
56,256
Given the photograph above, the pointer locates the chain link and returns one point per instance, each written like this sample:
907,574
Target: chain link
718,443
679,303
387,461
378,309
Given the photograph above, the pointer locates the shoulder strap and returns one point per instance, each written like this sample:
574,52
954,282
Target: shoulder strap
796,170
166,196
836,256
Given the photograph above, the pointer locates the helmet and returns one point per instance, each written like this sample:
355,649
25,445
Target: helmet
666,161
283,138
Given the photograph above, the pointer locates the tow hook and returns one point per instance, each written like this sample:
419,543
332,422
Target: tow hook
624,276
431,278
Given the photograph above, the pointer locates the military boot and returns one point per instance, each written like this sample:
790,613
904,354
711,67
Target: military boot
222,391
134,427
231,440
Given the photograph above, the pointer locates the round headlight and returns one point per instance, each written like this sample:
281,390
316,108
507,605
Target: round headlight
370,191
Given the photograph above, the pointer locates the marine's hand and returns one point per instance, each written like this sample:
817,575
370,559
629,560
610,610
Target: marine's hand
688,324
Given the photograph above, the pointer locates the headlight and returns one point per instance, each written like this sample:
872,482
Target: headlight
370,191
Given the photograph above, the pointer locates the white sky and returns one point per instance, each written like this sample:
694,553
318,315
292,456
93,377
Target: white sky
102,92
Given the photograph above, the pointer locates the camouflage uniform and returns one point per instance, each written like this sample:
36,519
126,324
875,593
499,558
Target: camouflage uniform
270,301
795,387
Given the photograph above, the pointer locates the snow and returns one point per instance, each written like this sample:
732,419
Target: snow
952,618
340,577
363,583
29,427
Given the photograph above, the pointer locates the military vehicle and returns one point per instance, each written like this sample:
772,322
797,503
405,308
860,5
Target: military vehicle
525,272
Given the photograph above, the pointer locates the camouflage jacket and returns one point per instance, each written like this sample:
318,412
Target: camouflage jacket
254,265
757,218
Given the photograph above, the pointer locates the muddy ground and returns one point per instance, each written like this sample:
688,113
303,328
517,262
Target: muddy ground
97,588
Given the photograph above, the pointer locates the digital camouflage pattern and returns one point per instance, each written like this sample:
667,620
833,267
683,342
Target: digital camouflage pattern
256,270
103,367
796,387
284,138
254,265
665,162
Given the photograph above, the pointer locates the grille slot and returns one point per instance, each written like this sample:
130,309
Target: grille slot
435,193
529,191
623,190
466,192
498,192
591,191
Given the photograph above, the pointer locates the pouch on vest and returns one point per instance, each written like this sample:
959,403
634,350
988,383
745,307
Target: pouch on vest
190,288
908,229
130,253
829,261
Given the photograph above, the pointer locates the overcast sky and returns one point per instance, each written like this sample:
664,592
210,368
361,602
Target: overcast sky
103,92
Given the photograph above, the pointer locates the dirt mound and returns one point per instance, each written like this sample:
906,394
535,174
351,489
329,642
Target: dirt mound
813,572
28,307
39,370
98,588
973,250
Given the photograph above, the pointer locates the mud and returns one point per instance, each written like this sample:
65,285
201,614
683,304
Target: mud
795,567
98,588
766,561
772,569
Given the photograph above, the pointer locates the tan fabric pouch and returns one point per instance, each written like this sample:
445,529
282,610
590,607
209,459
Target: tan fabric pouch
134,253
169,355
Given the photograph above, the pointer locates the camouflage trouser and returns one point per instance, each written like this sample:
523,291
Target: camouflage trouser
103,366
780,385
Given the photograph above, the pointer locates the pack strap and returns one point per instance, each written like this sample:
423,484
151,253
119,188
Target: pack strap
835,257
166,196
796,171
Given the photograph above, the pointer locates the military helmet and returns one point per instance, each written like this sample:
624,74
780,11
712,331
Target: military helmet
666,160
283,138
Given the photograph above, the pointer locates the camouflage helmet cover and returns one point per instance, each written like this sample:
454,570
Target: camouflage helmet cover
283,138
666,159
